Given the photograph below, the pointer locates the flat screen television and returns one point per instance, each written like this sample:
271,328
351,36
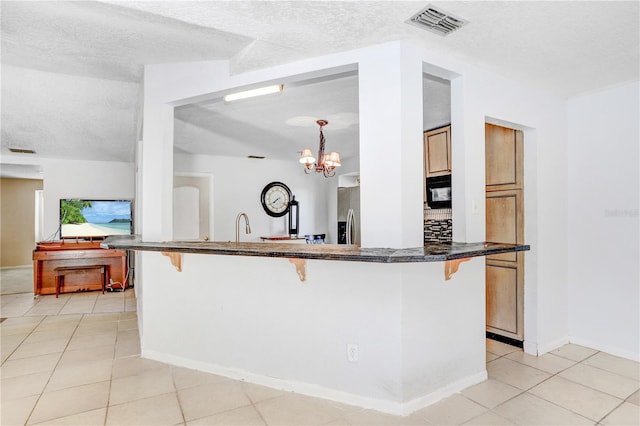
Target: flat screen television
83,218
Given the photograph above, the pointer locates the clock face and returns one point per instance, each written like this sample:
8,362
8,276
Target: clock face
275,199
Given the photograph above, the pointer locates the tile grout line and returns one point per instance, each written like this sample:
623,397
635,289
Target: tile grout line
255,408
113,358
22,341
54,369
608,371
614,409
66,299
173,381
600,369
545,380
555,403
580,384
547,372
489,410
551,375
56,366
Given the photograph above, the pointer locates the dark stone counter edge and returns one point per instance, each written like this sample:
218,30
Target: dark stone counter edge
428,253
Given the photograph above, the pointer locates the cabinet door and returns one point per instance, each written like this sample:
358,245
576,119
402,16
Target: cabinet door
505,224
504,158
504,212
504,272
505,297
437,150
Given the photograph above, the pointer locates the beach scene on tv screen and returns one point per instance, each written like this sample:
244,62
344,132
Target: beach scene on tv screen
92,218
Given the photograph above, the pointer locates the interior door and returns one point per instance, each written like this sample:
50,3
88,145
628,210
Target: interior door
186,215
193,206
505,224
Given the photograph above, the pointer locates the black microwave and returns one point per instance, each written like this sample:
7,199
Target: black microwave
439,192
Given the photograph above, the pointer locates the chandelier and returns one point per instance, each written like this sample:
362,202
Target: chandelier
326,163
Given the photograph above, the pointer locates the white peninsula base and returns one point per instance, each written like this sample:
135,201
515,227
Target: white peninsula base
418,337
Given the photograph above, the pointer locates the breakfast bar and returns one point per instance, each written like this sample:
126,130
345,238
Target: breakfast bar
379,328
343,252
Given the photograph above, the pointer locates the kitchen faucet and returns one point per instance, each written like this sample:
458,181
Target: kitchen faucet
247,229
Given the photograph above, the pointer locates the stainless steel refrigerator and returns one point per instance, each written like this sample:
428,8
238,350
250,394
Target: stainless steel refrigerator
349,215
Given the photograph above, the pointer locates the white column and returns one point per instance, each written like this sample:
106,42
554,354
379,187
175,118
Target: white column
391,152
157,162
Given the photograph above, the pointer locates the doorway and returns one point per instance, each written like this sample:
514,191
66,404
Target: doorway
192,207
504,167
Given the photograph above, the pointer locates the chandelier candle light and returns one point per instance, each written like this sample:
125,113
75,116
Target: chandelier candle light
326,163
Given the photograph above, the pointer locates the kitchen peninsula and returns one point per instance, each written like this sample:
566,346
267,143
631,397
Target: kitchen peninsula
389,343
378,328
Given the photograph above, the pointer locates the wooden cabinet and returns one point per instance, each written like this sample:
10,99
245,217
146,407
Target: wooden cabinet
504,158
505,224
505,272
50,258
437,152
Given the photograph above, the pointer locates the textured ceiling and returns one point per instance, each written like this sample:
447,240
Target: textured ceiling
71,71
99,40
278,126
566,47
275,126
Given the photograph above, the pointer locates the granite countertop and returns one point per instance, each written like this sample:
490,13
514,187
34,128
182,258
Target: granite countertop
427,253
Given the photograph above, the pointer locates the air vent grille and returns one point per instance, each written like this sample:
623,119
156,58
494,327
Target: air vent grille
22,151
437,20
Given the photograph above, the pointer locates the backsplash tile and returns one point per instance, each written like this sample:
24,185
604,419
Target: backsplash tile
438,226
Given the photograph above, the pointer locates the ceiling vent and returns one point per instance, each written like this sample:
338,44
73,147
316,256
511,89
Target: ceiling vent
22,151
437,20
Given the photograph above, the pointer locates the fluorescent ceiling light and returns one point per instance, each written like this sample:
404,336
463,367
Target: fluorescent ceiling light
255,92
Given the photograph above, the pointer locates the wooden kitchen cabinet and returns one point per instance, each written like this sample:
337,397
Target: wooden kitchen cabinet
505,271
437,152
504,163
505,224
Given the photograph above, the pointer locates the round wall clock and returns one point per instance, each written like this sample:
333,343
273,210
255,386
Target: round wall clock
275,199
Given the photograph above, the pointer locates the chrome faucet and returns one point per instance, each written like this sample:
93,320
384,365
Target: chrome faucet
247,229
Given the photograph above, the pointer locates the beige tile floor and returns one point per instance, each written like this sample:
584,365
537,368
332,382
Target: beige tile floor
75,361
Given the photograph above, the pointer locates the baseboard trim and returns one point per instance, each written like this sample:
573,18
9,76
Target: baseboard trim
611,350
554,344
443,392
318,391
530,348
16,267
385,406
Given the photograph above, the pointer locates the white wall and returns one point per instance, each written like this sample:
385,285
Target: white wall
238,184
604,282
390,79
78,179
561,224
458,320
263,325
477,97
83,179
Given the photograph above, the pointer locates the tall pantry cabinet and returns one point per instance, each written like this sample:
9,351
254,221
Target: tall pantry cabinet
505,224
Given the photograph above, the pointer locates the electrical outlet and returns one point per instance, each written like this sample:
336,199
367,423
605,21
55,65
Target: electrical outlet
352,352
